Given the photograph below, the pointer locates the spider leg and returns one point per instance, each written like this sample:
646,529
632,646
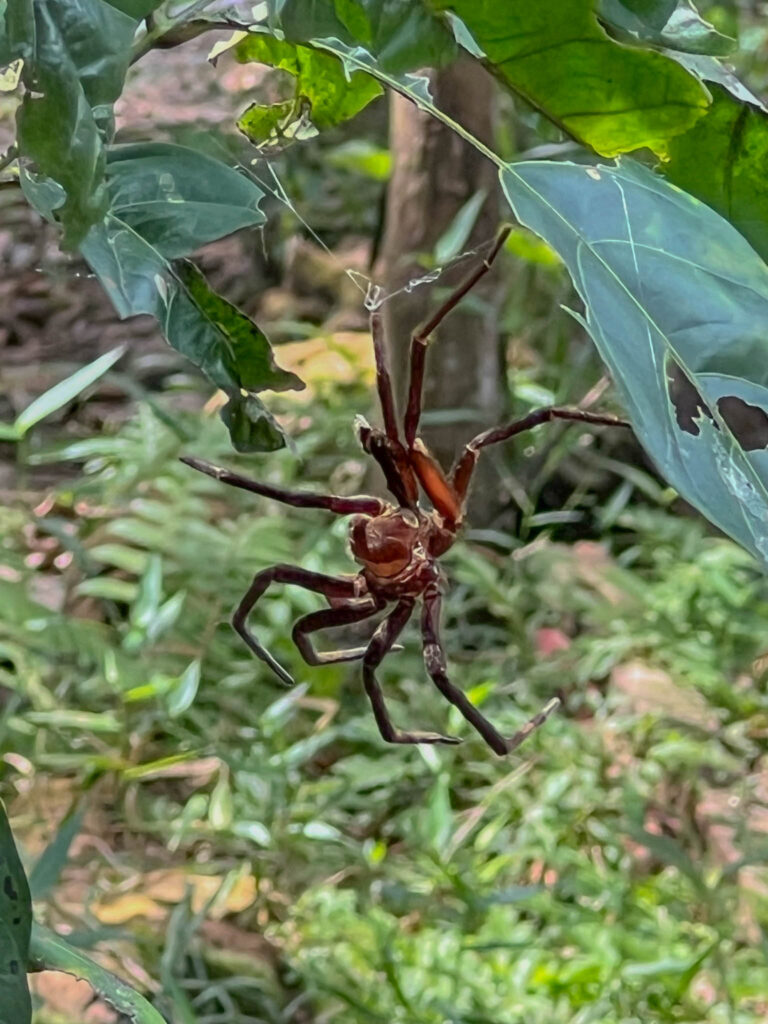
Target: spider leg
465,464
393,460
434,659
340,615
420,339
360,504
329,586
380,645
383,379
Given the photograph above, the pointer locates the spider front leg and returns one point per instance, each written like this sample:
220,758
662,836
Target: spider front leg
421,338
462,471
380,645
328,586
434,660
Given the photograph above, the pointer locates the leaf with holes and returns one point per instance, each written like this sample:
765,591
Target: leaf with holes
15,926
321,87
676,301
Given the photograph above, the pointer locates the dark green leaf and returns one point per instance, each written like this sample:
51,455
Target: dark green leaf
250,356
667,23
50,952
321,85
609,97
15,925
136,9
251,426
45,873
400,34
676,302
227,346
77,56
178,199
722,160
17,30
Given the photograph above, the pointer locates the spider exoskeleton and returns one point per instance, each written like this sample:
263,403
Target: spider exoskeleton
397,544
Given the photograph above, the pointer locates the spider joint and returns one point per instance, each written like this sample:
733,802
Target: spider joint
434,659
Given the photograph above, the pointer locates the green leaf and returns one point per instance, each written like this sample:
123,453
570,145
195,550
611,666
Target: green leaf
676,302
722,161
227,346
177,199
321,87
50,952
150,591
676,26
609,97
221,808
136,9
400,34
45,874
63,392
182,696
76,57
15,925
249,351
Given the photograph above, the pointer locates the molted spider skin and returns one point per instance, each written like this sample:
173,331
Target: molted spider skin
398,546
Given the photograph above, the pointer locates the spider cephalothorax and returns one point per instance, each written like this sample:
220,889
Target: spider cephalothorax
397,545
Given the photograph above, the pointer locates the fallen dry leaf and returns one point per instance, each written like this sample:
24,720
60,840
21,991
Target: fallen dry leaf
155,890
652,689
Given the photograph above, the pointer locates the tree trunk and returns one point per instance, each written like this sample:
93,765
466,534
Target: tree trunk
434,174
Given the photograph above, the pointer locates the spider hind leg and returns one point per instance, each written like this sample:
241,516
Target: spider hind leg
328,586
380,645
434,660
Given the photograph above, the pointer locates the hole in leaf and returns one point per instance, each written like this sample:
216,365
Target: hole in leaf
687,402
748,423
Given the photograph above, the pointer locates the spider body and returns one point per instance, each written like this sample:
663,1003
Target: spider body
397,545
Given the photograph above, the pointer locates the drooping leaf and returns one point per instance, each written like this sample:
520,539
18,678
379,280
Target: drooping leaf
610,97
400,34
167,201
227,346
15,925
321,86
668,23
50,952
76,54
178,199
676,302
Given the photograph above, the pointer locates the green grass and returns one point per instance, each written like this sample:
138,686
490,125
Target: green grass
611,870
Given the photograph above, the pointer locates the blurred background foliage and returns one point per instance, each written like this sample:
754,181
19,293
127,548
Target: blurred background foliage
244,854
